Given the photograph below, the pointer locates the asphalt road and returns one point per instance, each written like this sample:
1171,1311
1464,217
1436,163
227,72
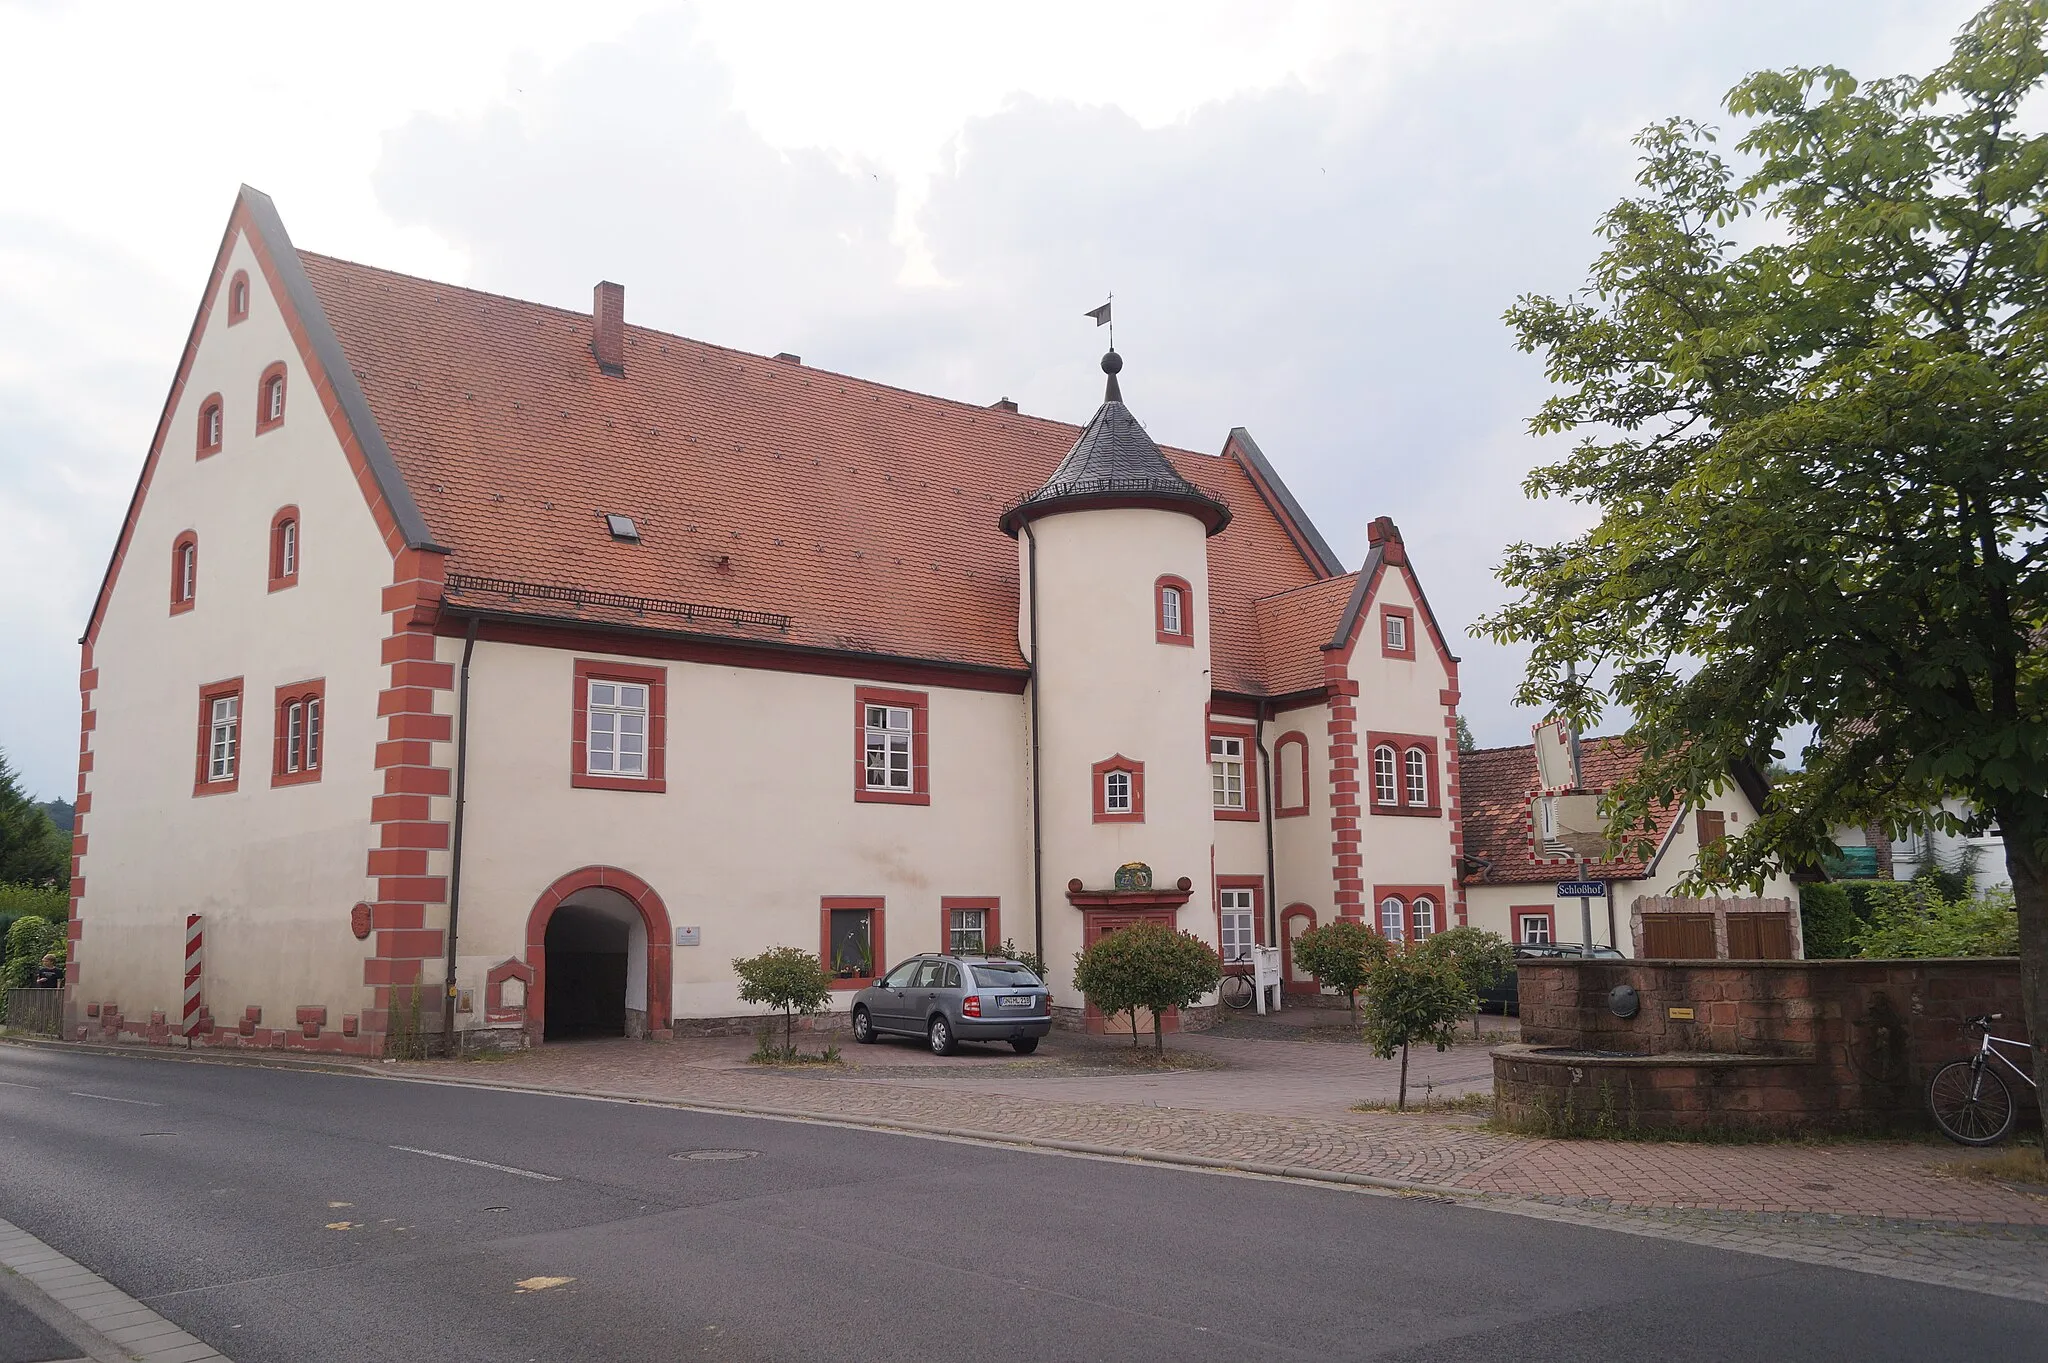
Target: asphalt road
273,1214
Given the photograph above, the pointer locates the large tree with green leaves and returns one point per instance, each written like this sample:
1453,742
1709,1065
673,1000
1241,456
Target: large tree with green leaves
1811,388
32,849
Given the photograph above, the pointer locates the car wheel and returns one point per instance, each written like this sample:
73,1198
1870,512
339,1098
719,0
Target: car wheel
942,1037
863,1027
1024,1045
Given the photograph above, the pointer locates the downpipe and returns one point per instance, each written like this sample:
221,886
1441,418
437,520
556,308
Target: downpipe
448,1043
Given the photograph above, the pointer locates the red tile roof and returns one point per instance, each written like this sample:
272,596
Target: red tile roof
1494,786
1293,627
866,514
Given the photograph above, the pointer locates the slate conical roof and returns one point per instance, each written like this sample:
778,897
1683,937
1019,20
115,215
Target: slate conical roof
1115,464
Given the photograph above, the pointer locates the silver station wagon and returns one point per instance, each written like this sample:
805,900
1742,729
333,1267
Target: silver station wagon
951,999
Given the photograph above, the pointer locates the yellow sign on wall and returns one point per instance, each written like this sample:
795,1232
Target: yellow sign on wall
1679,1014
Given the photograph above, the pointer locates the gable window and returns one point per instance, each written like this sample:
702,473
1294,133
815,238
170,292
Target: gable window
968,926
1404,775
270,399
1233,788
210,423
619,736
1237,920
1532,927
184,572
220,738
300,733
1290,771
1173,611
1397,632
1119,790
891,757
238,297
850,939
284,548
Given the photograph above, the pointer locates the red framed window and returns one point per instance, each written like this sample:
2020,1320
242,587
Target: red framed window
1409,913
850,939
618,727
184,572
1397,632
300,738
212,421
1290,775
970,925
1240,917
284,548
218,768
1535,924
1173,611
238,298
1119,790
891,747
1405,777
1233,770
270,399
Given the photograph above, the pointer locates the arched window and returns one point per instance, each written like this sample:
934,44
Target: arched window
1119,790
300,733
270,399
1384,789
1393,919
1173,609
184,572
284,548
238,297
1290,770
1415,769
1424,916
210,423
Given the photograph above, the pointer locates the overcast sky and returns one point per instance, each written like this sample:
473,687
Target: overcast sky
1312,216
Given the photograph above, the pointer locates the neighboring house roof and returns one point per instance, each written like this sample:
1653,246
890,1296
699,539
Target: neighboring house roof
1494,787
864,514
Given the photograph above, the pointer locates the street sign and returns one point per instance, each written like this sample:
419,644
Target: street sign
1581,889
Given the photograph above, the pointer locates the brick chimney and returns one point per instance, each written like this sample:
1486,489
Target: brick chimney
608,335
1387,535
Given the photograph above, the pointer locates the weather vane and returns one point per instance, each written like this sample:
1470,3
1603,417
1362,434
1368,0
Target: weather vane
1102,319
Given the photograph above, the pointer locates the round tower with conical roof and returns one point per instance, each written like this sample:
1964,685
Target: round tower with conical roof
1113,615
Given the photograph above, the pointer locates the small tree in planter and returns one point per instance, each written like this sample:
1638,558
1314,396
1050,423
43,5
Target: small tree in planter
1341,955
1481,959
1147,966
787,978
1412,995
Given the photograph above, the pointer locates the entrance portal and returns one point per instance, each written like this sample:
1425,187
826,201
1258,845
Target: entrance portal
596,957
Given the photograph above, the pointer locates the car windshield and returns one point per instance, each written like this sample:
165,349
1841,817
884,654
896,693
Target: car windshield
1004,975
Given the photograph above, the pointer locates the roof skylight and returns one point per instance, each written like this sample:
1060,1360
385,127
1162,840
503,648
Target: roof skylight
622,527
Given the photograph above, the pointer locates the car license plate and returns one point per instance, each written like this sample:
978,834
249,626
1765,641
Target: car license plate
1019,1001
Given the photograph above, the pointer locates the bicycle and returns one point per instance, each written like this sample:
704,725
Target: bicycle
1971,1104
1238,990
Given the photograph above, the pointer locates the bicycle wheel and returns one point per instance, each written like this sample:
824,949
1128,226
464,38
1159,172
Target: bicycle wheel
1971,1105
1236,991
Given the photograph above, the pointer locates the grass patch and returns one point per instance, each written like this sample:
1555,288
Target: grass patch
765,1054
1480,1101
2022,1164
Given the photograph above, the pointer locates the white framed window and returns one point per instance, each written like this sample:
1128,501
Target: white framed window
1384,789
616,743
967,932
887,745
1393,919
1169,609
1415,769
1425,916
1116,792
1226,771
240,302
294,734
287,548
1535,929
188,572
213,425
224,732
1239,927
273,399
1397,633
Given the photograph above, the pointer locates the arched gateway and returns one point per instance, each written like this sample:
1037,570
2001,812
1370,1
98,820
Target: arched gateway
610,933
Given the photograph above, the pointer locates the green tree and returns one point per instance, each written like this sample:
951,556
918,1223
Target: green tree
1147,966
1466,743
1917,919
28,941
32,850
1481,959
786,978
1340,954
1413,995
1819,461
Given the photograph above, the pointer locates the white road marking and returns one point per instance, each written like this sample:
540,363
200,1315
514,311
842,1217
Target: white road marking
479,1163
9,1083
105,1098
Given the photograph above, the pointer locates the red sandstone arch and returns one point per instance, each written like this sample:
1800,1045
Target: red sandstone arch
660,942
1287,916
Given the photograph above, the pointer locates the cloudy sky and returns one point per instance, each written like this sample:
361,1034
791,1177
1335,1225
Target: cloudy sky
1311,214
